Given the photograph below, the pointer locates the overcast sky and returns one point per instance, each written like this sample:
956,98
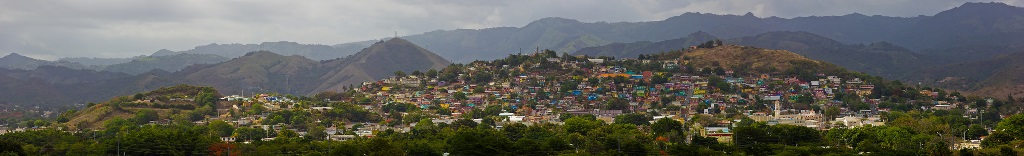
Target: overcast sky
51,29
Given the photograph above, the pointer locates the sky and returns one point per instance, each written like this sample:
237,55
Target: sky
52,29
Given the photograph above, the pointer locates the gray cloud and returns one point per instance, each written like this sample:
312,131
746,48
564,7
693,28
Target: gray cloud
124,28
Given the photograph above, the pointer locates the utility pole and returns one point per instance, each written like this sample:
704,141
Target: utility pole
118,144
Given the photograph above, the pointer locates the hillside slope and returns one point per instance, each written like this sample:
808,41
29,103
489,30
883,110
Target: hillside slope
158,101
756,59
632,50
261,71
171,63
997,76
379,61
880,58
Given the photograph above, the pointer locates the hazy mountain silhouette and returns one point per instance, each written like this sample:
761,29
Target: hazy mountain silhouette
632,50
997,76
171,63
94,61
312,51
949,29
18,61
260,71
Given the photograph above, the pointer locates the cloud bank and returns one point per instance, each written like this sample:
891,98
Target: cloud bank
123,28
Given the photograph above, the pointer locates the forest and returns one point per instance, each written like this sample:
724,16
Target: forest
912,133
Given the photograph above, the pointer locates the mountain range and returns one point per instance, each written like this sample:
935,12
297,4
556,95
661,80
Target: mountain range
973,31
996,76
634,49
913,49
312,51
262,71
972,24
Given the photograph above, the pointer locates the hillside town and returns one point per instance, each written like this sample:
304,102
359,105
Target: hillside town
543,88
496,78
680,98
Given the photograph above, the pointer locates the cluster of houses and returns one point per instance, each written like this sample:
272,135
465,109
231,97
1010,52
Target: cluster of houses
587,86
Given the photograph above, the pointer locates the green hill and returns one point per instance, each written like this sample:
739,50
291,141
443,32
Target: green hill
379,61
757,60
157,105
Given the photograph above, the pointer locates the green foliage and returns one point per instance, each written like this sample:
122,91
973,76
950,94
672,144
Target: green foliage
581,125
206,99
476,141
66,116
719,83
584,134
463,123
832,112
221,128
759,138
996,139
201,113
8,147
665,125
459,96
257,108
350,113
566,116
399,107
316,133
150,140
617,104
250,134
1013,125
399,74
633,118
144,116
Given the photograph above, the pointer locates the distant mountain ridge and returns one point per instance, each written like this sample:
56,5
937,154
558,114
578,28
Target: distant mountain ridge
295,74
887,46
260,71
171,63
312,51
18,61
998,76
915,33
632,50
99,62
971,23
990,26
